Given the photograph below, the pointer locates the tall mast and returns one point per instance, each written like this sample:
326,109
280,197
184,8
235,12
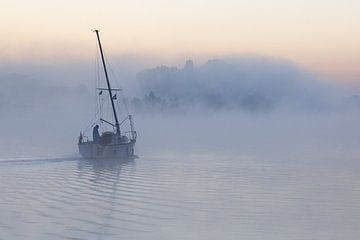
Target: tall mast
108,85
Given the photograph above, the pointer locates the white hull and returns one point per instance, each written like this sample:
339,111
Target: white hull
121,150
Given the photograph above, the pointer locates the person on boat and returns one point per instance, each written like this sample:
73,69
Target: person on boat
96,135
81,138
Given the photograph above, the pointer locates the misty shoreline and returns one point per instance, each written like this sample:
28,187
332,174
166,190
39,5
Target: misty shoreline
247,96
252,84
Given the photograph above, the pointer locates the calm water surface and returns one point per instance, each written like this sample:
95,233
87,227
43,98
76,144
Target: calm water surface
179,197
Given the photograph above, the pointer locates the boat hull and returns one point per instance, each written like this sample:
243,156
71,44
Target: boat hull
92,150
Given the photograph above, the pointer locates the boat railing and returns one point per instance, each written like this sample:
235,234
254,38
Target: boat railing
132,131
82,138
128,117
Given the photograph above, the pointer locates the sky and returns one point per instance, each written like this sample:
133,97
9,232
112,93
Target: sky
320,35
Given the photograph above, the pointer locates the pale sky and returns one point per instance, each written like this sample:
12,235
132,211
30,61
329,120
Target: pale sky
322,35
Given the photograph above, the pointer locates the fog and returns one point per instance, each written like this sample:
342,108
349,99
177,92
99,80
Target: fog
249,104
234,148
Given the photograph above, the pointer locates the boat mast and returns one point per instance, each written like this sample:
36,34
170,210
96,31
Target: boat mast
117,126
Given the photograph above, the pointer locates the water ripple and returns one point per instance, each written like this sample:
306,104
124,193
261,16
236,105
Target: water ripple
69,198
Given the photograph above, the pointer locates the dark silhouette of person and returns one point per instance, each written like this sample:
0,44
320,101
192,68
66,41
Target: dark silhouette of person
96,135
81,138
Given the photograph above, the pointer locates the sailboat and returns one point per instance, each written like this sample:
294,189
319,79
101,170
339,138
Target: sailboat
114,143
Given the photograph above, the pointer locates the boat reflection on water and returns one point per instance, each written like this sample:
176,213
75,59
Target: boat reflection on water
107,188
99,166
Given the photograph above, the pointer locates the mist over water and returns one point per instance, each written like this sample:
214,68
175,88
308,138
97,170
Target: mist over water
217,98
251,148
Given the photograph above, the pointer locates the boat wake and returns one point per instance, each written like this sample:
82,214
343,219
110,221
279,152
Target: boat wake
36,160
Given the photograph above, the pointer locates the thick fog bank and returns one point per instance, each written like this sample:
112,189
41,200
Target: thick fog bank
249,84
252,106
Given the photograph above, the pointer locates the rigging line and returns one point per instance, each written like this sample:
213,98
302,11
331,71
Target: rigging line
106,112
97,78
117,84
100,98
98,105
96,114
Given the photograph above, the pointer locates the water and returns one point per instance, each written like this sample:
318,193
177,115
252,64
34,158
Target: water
166,197
242,186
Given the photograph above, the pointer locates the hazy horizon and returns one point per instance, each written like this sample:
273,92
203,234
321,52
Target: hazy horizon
320,35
